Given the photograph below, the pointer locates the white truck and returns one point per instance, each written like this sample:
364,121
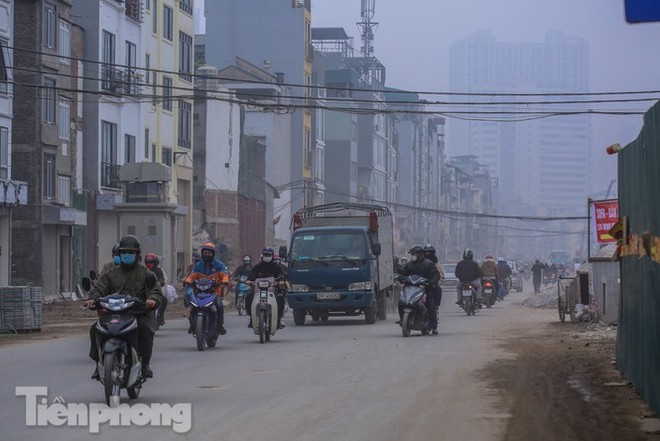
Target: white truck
340,262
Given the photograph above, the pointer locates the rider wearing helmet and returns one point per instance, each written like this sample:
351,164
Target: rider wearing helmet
152,261
209,267
505,272
115,260
242,270
420,266
267,268
429,253
129,277
468,271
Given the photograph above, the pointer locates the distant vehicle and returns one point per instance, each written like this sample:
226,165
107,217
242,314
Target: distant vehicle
450,278
516,277
559,256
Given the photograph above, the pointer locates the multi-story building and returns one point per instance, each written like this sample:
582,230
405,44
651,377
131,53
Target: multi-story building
542,162
141,172
279,34
11,192
47,150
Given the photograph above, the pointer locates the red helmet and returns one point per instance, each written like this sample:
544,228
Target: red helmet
151,258
208,246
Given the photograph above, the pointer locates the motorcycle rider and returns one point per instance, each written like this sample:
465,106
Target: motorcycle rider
152,261
115,260
430,254
505,272
129,277
491,271
241,270
209,268
267,268
468,271
420,266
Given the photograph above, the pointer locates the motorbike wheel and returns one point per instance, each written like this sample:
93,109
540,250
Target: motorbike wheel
111,365
406,321
262,326
489,301
199,332
467,301
133,392
240,306
299,317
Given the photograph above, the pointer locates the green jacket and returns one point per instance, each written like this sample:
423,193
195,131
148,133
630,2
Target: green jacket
121,281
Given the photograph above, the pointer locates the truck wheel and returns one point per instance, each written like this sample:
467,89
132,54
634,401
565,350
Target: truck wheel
382,307
370,313
299,317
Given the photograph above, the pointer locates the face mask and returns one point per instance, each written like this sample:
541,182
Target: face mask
246,262
116,260
128,259
207,259
413,258
267,259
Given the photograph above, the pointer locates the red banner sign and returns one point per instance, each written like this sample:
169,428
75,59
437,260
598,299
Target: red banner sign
607,214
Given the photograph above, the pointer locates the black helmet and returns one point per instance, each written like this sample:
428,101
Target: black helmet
468,254
115,249
268,251
416,249
129,243
428,249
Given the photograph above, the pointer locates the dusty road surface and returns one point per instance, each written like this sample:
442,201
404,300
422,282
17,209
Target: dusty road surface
509,373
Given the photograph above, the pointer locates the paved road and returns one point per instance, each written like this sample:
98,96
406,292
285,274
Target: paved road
342,380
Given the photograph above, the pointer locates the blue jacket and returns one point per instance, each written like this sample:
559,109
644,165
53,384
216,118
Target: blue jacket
209,270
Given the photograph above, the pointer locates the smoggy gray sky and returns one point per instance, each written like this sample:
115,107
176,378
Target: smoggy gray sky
414,36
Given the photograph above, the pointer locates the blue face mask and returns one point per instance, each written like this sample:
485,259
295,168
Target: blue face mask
128,259
116,259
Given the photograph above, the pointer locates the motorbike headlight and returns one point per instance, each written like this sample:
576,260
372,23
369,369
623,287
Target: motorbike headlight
299,288
359,286
263,284
417,297
194,304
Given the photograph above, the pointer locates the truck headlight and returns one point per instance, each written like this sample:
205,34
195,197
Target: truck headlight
359,286
299,288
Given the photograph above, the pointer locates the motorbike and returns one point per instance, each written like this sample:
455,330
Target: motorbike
119,365
489,288
412,301
470,301
264,308
204,313
241,289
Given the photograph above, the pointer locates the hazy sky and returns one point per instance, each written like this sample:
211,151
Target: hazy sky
414,36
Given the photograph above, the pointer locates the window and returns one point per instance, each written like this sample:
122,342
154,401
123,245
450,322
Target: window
308,148
167,156
134,10
186,6
185,56
153,152
64,120
108,57
167,93
129,148
320,164
64,190
50,26
147,5
146,143
109,167
147,63
168,23
154,17
49,176
185,110
154,90
131,72
65,42
48,101
5,63
4,153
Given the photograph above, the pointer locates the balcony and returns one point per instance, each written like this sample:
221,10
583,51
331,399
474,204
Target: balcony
120,82
134,10
110,175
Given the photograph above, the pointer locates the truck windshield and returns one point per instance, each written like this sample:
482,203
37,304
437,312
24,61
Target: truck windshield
328,246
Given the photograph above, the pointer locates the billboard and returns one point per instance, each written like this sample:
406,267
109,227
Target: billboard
642,11
603,215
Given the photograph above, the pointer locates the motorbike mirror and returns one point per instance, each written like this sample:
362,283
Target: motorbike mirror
376,248
86,283
92,275
151,281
